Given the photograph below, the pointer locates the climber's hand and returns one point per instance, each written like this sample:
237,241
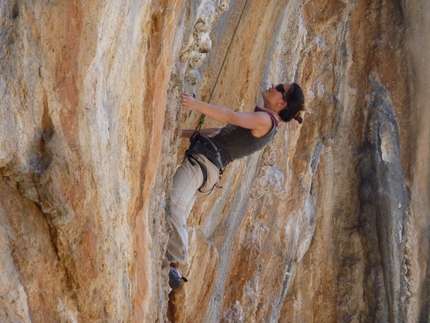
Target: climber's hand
188,102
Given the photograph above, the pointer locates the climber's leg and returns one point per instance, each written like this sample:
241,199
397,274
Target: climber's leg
188,178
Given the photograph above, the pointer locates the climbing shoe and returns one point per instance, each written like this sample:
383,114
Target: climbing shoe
175,276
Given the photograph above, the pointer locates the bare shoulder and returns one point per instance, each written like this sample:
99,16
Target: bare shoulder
263,126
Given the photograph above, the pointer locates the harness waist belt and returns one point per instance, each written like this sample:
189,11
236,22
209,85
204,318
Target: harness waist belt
206,147
224,160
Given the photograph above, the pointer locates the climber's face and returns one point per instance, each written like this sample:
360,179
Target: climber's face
276,96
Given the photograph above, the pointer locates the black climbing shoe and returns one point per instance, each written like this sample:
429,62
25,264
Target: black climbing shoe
175,276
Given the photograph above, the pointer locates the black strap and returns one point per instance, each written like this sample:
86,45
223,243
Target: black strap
203,145
193,159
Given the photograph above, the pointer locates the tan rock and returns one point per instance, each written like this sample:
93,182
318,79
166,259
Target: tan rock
329,223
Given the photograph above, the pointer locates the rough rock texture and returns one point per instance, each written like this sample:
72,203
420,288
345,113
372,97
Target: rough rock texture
330,223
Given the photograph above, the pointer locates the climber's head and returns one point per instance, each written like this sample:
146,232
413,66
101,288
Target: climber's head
286,99
293,95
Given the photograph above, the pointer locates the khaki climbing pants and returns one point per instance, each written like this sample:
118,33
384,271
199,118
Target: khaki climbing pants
185,189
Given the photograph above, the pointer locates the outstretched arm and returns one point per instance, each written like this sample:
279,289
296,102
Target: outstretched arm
259,122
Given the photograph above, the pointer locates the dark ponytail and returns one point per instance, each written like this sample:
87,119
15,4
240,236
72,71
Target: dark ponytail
295,103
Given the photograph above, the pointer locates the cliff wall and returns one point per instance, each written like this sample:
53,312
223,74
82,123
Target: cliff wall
329,223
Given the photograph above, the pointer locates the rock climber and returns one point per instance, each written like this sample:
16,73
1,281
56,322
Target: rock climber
211,150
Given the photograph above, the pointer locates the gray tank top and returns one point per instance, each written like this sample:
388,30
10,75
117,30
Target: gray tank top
237,142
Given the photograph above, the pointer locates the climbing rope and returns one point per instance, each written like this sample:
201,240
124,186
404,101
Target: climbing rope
202,117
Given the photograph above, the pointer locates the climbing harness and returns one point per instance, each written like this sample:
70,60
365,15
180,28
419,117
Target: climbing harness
206,147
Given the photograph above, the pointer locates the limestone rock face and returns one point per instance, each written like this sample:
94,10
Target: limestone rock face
329,223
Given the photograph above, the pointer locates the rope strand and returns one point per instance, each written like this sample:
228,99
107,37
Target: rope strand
202,117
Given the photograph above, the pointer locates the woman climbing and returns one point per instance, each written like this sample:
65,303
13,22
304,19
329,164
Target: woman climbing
211,150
